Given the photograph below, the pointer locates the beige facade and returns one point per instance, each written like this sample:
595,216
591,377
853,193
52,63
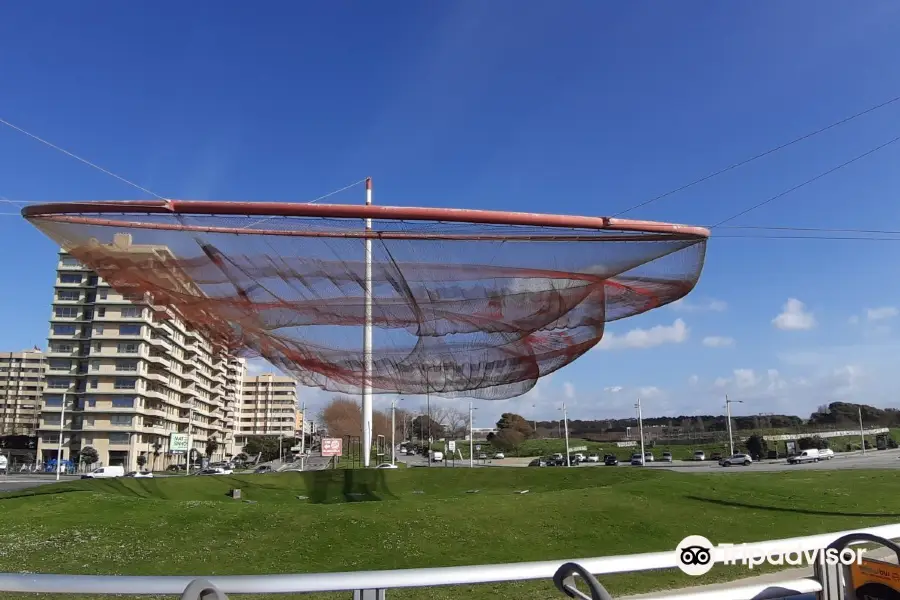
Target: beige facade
21,386
130,375
268,408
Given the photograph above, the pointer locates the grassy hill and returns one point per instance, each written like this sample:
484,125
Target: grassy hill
351,520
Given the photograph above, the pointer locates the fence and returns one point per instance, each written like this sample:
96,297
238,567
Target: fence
366,585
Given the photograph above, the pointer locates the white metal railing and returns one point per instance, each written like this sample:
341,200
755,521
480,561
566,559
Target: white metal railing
429,577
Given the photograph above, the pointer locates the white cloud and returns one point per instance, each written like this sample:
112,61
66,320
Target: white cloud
794,317
675,333
650,391
693,380
878,314
716,341
615,389
569,390
710,305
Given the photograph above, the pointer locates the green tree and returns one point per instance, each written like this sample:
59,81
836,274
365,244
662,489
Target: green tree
508,440
515,422
89,455
757,446
142,460
211,446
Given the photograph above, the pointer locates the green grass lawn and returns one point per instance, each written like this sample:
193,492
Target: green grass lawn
389,519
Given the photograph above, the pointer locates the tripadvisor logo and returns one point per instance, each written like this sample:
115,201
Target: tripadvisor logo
696,555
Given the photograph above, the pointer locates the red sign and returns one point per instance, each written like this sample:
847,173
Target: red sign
332,447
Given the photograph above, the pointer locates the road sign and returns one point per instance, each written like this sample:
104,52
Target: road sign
875,579
478,446
332,447
451,446
178,443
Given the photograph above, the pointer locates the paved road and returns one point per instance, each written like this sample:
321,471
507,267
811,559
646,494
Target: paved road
13,482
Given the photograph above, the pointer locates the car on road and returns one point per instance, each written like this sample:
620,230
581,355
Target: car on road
593,458
175,468
581,457
811,455
263,469
215,471
648,457
575,459
139,474
667,457
437,457
411,452
499,456
610,460
737,459
538,462
826,454
387,466
105,472
699,455
637,460
482,456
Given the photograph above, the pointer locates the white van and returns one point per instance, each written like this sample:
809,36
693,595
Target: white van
811,455
105,473
437,457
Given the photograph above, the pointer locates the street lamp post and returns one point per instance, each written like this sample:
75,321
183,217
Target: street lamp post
62,432
862,434
728,404
566,428
641,429
471,436
394,430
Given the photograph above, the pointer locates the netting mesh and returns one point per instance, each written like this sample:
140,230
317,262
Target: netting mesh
458,309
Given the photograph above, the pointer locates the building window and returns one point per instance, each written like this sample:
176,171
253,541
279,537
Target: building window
128,348
101,312
52,419
123,383
60,364
129,330
126,365
131,311
61,347
66,312
102,293
70,278
58,384
94,383
68,295
98,329
63,329
123,403
120,420
53,401
119,438
70,261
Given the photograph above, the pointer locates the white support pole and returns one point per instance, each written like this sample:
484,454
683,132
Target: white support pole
393,431
471,437
367,343
641,428
190,428
62,432
728,416
566,427
862,434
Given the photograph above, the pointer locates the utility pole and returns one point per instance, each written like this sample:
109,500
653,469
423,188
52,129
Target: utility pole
471,437
393,430
728,404
641,428
862,435
62,432
190,432
302,435
566,427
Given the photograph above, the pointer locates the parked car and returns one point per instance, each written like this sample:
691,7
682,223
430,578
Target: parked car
139,474
411,452
593,458
737,459
575,459
482,456
648,457
826,454
537,462
263,469
437,457
175,468
499,456
716,456
581,457
215,471
610,460
667,457
637,460
387,466
699,455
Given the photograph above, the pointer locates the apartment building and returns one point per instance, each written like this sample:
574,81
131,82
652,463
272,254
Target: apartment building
268,408
127,375
21,386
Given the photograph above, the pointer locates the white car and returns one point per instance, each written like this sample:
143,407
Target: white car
140,474
826,454
593,458
699,455
499,456
648,456
387,466
737,459
637,460
216,471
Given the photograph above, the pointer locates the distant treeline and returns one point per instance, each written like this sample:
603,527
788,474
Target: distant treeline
837,415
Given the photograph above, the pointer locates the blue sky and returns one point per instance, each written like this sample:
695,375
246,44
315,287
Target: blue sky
577,108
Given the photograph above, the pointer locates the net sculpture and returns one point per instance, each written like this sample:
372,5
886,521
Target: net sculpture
468,303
